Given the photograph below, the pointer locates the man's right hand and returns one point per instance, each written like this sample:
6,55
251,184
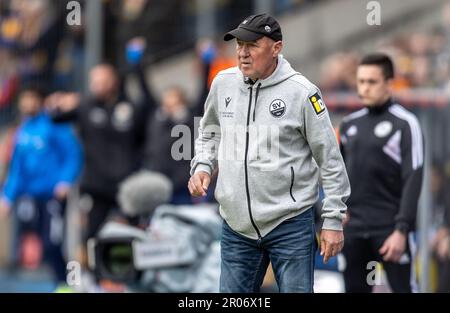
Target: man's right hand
331,243
198,184
64,101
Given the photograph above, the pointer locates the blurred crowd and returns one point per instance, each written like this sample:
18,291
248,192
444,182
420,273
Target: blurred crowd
421,58
105,135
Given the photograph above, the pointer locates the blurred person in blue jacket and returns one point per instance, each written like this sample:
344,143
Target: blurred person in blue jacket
45,164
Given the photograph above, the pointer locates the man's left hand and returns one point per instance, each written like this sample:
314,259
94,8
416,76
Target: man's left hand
61,191
331,243
393,247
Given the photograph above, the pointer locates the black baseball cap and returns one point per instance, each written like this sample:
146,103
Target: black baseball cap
254,27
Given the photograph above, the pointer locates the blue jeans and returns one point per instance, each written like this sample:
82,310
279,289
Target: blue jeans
290,247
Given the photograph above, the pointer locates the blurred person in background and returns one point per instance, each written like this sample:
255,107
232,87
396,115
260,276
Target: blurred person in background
32,31
113,132
420,45
164,149
338,72
45,163
219,57
9,78
443,57
397,49
157,22
174,110
446,25
9,84
382,145
70,59
441,248
441,241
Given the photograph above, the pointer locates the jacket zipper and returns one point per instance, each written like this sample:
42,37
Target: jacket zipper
256,100
245,166
292,183
254,114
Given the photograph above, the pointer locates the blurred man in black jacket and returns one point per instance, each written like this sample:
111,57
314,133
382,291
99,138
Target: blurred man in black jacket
170,132
113,132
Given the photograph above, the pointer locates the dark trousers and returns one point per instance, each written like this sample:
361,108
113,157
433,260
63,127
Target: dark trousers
46,218
360,250
97,208
444,276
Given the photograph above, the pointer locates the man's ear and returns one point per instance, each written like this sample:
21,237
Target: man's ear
390,84
277,48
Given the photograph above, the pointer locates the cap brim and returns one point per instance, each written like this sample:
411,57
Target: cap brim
242,34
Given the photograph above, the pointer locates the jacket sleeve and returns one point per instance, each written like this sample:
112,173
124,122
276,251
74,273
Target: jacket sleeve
12,186
320,135
412,150
209,134
342,139
147,102
70,152
58,116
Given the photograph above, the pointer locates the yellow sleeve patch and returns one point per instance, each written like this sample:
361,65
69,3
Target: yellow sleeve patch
317,103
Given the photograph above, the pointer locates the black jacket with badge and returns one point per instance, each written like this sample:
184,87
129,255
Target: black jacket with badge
113,137
384,153
161,140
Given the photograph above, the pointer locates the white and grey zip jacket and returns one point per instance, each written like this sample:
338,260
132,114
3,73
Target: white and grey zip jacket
272,142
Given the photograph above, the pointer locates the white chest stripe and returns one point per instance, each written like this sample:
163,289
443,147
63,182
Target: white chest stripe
416,134
392,147
356,114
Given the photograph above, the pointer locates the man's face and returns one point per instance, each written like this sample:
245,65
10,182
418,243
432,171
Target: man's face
373,88
29,103
257,59
172,101
103,82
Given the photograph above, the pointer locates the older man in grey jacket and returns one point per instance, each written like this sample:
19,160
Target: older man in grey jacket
268,132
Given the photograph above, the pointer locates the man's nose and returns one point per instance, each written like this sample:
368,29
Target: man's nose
243,52
365,88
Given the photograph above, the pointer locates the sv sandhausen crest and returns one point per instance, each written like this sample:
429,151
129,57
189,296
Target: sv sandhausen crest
277,108
383,129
